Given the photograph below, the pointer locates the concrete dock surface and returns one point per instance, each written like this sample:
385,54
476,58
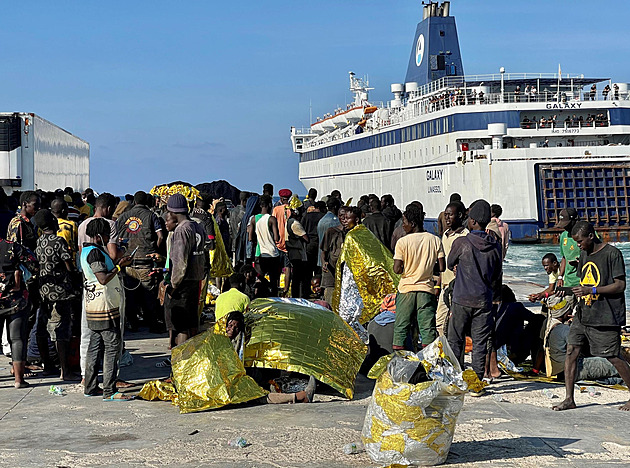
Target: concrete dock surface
38,429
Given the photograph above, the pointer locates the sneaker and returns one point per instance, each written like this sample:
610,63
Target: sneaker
310,389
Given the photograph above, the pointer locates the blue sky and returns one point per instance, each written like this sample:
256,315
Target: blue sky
200,91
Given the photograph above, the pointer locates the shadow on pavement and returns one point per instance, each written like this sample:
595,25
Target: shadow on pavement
520,447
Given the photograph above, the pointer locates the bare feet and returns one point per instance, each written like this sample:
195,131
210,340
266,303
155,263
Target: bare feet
567,404
22,384
625,407
123,384
119,397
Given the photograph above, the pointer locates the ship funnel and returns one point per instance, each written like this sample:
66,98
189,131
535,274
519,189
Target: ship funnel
446,8
435,49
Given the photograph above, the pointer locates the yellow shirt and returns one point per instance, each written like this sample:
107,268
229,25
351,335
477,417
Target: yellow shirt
230,301
68,231
419,253
85,210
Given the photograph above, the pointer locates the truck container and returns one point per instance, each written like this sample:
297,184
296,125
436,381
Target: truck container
37,154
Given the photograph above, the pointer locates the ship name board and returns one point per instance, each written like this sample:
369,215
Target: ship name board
435,174
564,105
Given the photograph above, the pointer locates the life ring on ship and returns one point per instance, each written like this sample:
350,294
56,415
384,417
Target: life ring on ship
370,110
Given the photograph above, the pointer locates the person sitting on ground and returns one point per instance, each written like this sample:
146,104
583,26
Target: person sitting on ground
601,310
235,331
318,292
552,266
316,288
102,304
380,333
233,300
517,328
554,334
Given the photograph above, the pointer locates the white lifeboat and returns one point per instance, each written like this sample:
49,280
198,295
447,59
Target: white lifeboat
317,128
328,124
340,120
354,115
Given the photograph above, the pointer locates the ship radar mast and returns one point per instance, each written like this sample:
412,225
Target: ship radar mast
360,88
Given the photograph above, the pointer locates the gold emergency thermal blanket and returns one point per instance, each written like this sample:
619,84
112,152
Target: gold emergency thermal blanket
165,191
158,390
413,424
372,274
208,374
220,264
309,340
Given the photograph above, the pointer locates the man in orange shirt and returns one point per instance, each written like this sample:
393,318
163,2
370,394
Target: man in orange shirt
280,213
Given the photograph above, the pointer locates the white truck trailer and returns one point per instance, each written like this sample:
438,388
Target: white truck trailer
37,154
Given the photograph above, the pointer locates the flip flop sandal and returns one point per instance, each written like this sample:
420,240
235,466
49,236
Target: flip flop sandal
164,363
123,397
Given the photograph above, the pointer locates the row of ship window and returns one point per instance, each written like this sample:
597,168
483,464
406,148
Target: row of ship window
393,137
366,162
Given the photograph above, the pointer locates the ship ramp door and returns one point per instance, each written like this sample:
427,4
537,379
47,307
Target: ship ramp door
600,192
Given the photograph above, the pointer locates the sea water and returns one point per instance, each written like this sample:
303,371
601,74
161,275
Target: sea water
524,262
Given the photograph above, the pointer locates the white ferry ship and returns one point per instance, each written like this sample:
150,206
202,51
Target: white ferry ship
533,142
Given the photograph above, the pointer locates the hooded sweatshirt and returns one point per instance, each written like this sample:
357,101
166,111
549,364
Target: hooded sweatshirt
478,259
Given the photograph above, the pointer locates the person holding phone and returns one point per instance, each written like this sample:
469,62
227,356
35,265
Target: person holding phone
102,305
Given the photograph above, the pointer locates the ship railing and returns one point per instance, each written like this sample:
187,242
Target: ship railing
564,125
302,131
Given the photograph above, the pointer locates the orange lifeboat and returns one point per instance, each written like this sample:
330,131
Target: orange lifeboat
370,110
362,123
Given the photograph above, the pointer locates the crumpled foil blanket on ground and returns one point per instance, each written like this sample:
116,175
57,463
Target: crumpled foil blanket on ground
413,424
309,340
372,268
207,374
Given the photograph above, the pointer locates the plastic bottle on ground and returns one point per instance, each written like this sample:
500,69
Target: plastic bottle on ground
239,442
56,390
592,391
353,448
547,392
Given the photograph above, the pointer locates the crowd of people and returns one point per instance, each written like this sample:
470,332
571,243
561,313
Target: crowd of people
86,267
599,120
